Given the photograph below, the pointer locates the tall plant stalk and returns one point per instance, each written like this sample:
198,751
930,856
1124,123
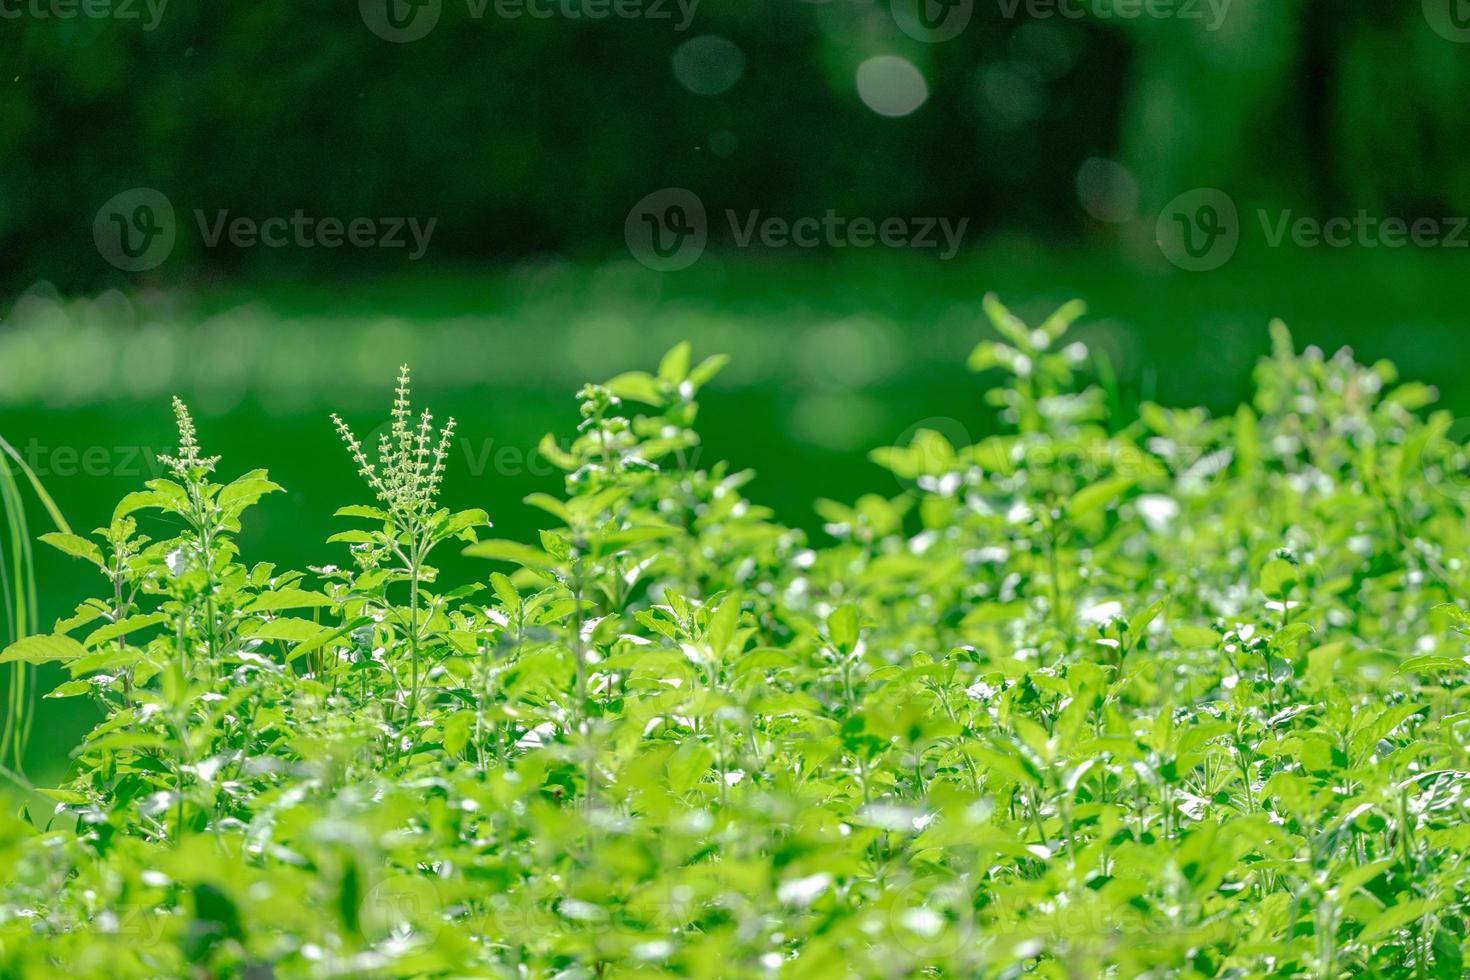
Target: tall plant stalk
18,590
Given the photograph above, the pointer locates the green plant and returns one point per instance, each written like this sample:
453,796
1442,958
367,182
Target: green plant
18,598
1156,695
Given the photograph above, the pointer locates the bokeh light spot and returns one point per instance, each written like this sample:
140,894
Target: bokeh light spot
1014,91
1107,190
891,86
708,64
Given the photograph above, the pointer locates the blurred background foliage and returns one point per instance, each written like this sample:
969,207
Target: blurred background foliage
526,135
1059,139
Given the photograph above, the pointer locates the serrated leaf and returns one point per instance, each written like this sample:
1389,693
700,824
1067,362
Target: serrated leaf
42,649
76,546
122,627
287,599
288,629
246,490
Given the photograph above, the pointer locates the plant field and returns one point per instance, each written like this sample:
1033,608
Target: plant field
1182,696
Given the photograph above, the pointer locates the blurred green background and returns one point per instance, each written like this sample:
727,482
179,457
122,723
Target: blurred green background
530,131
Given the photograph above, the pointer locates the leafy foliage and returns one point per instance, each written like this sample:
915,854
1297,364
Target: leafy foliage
1171,695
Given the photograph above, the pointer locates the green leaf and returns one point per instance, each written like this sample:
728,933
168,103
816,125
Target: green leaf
1195,637
639,386
843,628
1392,919
1006,323
76,546
722,623
457,731
359,510
63,796
70,689
688,765
1096,497
42,649
287,599
707,369
1278,578
246,490
87,612
551,505
505,591
1456,615
462,524
555,455
145,499
326,635
1322,663
1140,622
1011,766
123,627
355,536
674,367
1056,325
510,551
1429,665
288,629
